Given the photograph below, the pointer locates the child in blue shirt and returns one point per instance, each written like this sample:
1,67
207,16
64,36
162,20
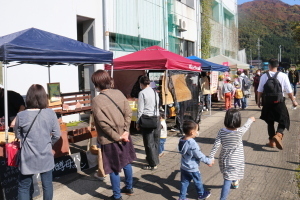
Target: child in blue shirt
190,160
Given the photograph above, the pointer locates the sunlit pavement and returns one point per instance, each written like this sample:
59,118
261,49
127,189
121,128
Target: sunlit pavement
269,172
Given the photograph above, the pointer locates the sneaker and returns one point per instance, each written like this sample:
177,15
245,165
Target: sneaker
127,191
148,167
161,155
99,177
113,198
205,195
235,184
175,129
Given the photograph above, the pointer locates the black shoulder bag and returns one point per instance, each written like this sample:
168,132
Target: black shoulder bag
147,121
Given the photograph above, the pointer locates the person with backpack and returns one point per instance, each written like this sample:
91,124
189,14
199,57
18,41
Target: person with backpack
245,84
271,87
238,95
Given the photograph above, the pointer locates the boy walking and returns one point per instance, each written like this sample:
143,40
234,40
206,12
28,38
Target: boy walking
191,157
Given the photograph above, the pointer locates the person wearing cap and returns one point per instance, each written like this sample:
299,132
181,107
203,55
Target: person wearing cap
227,92
15,104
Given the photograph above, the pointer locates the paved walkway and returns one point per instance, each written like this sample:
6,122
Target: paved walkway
269,173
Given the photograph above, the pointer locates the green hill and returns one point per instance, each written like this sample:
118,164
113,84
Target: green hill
269,20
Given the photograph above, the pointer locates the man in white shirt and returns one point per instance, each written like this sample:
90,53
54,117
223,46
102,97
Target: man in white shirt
276,112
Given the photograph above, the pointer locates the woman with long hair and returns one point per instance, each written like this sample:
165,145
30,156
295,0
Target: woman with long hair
112,116
38,129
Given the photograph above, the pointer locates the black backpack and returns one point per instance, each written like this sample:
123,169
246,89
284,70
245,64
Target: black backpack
272,90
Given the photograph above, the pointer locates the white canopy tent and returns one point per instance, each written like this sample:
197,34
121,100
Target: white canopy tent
232,63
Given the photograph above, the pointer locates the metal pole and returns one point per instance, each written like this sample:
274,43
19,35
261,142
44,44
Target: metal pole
166,89
279,53
5,102
49,73
210,93
105,26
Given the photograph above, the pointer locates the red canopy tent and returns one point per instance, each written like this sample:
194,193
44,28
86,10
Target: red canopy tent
154,58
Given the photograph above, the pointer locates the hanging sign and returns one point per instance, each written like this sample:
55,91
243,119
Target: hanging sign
214,82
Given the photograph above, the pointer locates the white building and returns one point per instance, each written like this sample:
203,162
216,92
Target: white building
77,19
131,25
224,28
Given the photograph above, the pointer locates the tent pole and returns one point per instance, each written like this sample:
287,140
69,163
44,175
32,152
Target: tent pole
210,93
112,71
5,101
49,72
166,88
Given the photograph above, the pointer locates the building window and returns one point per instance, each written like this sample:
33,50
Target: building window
228,19
189,3
214,51
121,42
188,48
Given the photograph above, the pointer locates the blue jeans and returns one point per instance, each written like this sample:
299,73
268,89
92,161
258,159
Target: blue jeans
161,145
244,103
294,87
25,188
115,180
186,178
225,189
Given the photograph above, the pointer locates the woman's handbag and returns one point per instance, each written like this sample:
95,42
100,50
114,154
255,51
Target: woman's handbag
13,149
147,121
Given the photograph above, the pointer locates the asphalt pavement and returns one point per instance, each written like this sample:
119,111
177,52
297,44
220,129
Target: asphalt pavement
269,172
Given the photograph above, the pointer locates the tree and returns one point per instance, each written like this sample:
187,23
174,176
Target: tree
296,31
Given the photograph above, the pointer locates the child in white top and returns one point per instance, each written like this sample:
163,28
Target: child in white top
163,135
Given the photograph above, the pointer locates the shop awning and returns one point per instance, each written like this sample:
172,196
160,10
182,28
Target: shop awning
154,58
209,66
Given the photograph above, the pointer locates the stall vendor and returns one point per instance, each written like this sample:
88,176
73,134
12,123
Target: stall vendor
15,104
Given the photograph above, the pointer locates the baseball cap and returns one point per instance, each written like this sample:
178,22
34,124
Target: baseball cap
228,79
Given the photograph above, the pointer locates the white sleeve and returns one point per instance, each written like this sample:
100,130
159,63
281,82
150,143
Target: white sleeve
287,85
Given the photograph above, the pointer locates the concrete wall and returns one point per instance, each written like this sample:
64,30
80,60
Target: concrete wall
55,16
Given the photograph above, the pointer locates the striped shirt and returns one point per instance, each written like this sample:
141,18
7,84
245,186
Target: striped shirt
231,159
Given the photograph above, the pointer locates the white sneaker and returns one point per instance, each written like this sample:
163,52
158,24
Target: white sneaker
175,130
235,184
98,177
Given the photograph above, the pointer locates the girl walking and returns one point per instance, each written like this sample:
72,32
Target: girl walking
227,91
231,159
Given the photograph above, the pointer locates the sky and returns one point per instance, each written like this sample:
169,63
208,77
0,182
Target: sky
291,2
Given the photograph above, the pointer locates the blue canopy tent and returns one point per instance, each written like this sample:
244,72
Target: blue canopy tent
209,66
37,46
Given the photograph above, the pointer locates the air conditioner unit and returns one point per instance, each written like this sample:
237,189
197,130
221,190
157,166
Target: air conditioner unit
181,26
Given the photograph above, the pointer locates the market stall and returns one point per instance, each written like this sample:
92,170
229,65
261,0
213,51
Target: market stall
37,46
214,68
180,75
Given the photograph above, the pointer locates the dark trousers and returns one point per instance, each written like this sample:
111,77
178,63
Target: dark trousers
294,87
25,189
151,138
271,129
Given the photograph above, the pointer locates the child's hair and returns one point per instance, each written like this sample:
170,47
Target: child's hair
232,119
188,126
162,114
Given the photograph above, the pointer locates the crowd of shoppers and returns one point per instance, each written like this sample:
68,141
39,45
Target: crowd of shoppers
38,129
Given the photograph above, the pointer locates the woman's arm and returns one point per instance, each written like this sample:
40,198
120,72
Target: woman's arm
140,106
55,133
127,115
17,129
216,146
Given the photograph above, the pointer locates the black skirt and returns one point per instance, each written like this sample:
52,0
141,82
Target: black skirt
117,155
276,113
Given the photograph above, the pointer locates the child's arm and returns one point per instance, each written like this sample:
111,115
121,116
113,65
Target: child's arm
246,126
215,147
201,157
